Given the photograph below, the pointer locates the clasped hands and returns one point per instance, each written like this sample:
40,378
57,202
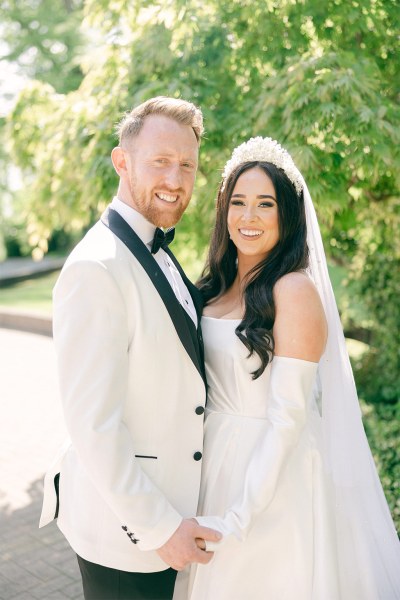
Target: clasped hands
187,545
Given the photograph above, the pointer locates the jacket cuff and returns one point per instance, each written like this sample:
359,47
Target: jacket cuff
158,536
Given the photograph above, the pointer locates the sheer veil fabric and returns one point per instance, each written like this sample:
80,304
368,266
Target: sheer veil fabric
368,548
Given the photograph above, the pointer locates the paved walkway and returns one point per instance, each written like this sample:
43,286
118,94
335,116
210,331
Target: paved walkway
35,563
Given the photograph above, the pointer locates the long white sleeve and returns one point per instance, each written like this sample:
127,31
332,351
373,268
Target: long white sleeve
290,388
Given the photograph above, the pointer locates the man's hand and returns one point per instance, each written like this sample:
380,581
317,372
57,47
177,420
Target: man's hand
182,548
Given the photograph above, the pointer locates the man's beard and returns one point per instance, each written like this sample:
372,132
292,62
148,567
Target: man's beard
154,214
159,218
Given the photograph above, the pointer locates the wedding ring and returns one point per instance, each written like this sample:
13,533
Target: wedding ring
201,543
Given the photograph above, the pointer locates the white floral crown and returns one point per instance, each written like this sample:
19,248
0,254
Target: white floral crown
265,150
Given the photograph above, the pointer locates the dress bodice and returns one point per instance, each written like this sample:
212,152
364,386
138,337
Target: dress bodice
229,369
231,388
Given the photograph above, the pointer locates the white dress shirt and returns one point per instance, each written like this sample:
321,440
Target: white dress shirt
145,230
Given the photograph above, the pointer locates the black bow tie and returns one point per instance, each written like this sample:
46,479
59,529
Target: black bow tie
161,239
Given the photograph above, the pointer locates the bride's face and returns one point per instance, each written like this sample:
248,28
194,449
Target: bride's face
253,223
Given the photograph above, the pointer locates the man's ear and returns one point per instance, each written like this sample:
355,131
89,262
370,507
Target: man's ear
119,161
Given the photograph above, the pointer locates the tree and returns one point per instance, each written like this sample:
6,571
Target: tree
40,40
43,38
321,78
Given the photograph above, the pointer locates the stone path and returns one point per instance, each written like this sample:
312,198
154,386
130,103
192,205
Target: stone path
34,563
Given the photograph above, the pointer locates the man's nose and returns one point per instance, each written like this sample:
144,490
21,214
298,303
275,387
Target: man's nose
173,177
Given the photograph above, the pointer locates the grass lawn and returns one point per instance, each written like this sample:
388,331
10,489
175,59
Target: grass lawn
32,295
35,294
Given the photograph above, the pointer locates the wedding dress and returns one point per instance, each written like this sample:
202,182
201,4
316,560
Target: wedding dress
262,455
265,486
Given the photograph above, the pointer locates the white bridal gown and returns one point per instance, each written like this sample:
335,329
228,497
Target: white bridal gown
263,478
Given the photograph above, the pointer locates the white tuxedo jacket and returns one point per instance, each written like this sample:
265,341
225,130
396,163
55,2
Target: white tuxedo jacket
133,396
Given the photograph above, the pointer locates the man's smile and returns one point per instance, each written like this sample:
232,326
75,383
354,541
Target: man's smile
167,197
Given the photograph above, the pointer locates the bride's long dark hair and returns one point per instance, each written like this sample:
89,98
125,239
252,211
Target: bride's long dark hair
290,254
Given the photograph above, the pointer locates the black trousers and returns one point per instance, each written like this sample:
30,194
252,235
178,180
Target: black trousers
103,583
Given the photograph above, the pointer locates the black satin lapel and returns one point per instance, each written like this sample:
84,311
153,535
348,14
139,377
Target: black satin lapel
113,220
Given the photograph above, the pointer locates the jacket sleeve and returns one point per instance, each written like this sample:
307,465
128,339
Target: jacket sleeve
290,389
92,344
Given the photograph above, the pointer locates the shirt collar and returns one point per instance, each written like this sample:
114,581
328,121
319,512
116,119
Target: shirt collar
140,225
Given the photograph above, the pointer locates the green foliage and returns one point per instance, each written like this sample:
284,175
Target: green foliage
321,81
14,238
3,188
376,269
43,37
382,425
320,77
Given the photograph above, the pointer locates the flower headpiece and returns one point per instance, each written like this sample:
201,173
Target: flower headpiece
265,150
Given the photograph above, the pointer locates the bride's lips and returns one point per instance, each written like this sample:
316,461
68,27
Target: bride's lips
251,234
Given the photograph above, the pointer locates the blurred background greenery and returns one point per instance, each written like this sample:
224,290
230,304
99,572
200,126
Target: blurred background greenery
321,77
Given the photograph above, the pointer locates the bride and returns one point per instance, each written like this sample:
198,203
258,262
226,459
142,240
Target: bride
287,477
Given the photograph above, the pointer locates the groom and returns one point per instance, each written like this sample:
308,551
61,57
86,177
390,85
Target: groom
129,352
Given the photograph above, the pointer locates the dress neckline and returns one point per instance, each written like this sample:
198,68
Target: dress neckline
220,318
